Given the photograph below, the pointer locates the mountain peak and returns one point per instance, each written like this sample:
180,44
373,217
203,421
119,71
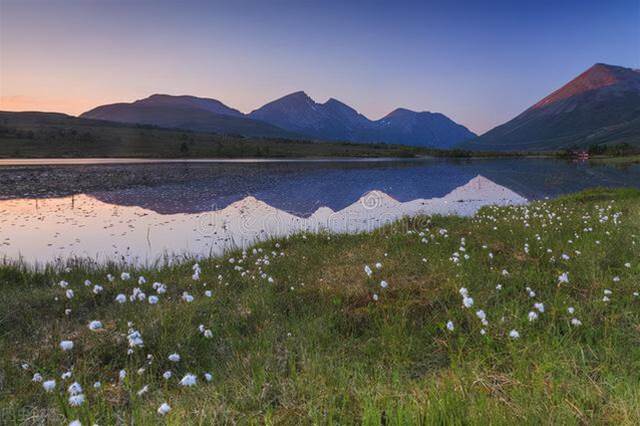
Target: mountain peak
299,95
399,112
405,112
598,76
189,102
599,106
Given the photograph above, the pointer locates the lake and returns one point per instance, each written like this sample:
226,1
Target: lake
140,212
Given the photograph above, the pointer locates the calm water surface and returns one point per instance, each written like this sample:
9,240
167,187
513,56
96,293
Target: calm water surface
134,210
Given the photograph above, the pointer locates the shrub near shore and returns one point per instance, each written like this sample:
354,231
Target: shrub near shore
526,314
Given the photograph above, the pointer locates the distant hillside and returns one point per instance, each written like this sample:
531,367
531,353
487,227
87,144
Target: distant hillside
294,116
41,135
599,107
334,120
430,128
186,112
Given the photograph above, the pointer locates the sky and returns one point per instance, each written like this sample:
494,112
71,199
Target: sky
479,62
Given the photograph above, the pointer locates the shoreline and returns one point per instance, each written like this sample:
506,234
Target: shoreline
124,160
70,161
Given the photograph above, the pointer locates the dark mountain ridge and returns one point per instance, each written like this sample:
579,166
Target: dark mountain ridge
294,116
334,120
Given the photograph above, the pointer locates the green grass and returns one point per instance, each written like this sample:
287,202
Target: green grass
630,159
313,347
50,135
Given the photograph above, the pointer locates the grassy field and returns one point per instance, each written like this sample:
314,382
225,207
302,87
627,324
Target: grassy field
630,159
47,135
523,315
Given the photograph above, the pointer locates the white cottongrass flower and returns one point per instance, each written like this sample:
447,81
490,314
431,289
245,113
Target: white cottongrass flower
121,298
159,288
87,283
97,289
135,339
616,279
153,300
174,357
450,325
97,385
571,309
66,375
607,292
539,306
75,423
74,388
533,315
37,378
563,278
95,325
467,302
575,322
481,314
208,377
376,297
137,295
208,334
164,409
125,276
367,270
110,278
188,380
66,345
122,374
144,390
384,284
141,280
69,294
208,293
76,400
514,334
49,385
167,375
378,265
187,297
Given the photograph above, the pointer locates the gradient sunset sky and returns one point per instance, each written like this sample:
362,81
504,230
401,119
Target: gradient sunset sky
478,62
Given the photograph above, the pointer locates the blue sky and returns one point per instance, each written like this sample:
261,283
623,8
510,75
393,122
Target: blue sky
480,63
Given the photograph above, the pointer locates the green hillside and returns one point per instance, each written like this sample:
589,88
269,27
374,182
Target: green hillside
38,134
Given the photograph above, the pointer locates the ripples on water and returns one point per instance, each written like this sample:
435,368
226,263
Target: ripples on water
160,196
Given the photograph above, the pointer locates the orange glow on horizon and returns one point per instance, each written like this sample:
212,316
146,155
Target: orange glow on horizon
27,103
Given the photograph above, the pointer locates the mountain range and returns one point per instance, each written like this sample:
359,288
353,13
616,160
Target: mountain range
600,106
295,116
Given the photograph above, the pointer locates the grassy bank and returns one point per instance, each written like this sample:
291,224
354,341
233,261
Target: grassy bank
631,159
297,332
50,135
